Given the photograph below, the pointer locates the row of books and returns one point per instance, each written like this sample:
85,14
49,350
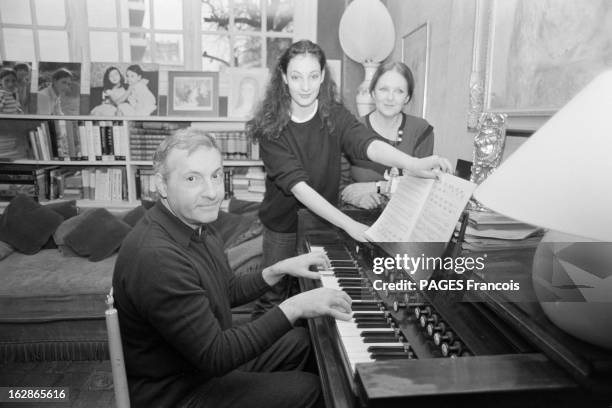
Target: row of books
236,145
53,182
79,140
146,137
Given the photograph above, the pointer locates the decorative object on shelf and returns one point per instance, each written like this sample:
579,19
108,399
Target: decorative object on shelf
193,93
488,145
246,88
123,89
415,54
559,179
59,88
368,47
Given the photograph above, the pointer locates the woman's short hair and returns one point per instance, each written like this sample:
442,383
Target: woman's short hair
398,67
189,139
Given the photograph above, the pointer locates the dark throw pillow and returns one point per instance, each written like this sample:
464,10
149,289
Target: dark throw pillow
66,209
27,225
134,215
98,234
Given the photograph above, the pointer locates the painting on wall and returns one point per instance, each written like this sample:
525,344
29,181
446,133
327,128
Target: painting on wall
415,54
535,55
246,89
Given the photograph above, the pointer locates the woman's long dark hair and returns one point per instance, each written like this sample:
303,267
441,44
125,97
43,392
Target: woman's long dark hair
106,83
274,112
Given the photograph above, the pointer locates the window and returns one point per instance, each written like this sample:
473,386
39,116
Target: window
34,29
245,33
173,33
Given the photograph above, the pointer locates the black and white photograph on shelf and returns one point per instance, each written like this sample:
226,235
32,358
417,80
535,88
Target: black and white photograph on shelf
123,89
59,88
246,88
19,93
193,93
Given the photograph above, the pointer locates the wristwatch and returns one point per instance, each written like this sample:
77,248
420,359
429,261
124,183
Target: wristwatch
378,187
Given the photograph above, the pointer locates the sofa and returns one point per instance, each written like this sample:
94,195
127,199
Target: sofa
52,300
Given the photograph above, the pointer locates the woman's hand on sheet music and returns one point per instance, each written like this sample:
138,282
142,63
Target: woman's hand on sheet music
362,195
356,230
430,167
318,302
298,266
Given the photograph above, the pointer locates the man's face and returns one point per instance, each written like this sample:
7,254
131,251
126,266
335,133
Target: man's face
194,185
62,86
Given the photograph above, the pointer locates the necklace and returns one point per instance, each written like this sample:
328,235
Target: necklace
400,129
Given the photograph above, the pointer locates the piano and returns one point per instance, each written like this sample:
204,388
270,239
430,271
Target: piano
442,348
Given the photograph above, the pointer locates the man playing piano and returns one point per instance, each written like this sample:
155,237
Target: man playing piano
174,289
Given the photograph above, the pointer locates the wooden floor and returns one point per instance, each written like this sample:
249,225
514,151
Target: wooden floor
90,383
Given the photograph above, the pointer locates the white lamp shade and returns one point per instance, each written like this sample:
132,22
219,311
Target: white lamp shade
561,177
366,31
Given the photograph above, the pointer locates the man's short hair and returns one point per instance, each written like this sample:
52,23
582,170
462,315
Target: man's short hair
61,73
21,66
189,139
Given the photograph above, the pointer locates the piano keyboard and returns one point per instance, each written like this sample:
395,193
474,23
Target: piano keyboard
371,334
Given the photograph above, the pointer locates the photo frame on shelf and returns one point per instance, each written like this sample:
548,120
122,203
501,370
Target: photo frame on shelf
23,70
111,94
246,88
58,88
522,52
415,54
193,93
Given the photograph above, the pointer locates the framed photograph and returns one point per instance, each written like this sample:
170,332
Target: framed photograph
23,70
246,88
524,51
193,93
415,54
58,88
123,89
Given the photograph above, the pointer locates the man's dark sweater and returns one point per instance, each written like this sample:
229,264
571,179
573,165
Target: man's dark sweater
173,292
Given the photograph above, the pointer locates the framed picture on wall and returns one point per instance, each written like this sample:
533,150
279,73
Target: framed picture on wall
415,54
530,60
193,93
246,88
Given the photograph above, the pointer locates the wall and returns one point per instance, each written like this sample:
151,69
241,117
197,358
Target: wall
451,24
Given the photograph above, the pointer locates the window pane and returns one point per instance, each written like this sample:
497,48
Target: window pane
168,14
279,16
53,45
103,46
137,47
169,49
218,47
15,12
102,13
275,47
247,15
50,12
135,13
215,15
19,44
247,51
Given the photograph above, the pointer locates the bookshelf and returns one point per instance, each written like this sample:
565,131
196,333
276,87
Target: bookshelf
116,150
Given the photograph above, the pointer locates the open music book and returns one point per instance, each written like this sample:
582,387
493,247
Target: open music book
422,210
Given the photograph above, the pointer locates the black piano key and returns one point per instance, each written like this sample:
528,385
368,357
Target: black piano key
387,349
386,357
364,306
372,325
379,339
346,264
368,315
367,333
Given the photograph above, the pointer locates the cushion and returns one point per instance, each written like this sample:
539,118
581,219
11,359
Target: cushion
5,250
59,236
134,215
97,234
66,209
27,225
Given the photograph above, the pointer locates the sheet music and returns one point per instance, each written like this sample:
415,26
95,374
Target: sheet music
422,210
401,213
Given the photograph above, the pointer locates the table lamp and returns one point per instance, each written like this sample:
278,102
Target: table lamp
561,179
366,46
